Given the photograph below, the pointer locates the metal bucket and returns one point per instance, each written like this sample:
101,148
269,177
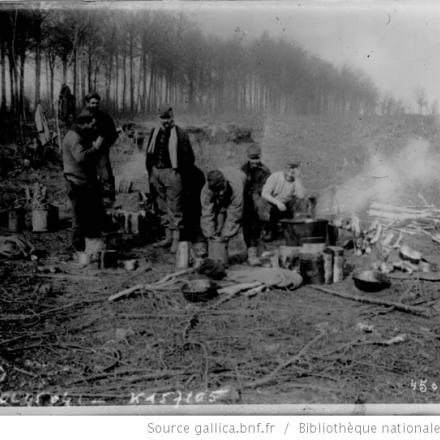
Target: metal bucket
296,230
313,245
107,259
40,220
312,268
16,219
182,255
218,251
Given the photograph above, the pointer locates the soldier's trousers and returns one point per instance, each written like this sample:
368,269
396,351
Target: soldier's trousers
167,185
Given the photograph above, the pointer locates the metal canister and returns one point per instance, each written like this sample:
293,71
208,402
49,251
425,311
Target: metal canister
182,255
134,223
107,259
328,266
127,222
16,219
338,264
312,269
218,251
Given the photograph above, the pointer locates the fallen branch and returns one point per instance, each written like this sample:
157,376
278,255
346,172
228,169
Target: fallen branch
68,276
368,300
152,286
152,376
126,292
425,276
237,288
271,376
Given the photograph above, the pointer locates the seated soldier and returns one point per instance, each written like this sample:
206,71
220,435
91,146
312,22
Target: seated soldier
281,192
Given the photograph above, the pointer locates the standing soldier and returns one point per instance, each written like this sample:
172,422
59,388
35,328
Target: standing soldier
169,157
256,174
107,135
80,158
66,105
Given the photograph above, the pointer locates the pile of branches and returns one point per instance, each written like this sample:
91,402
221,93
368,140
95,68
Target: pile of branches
409,219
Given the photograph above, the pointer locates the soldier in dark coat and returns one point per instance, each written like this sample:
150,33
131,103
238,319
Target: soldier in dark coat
256,176
169,156
66,105
80,159
107,134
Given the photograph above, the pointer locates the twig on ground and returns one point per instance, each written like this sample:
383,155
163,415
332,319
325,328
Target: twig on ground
162,283
271,376
368,300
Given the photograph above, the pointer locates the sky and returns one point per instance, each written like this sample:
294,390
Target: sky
396,43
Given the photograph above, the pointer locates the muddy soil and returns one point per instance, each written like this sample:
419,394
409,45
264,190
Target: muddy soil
63,343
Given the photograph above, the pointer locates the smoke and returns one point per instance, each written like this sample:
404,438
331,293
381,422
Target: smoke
395,178
134,170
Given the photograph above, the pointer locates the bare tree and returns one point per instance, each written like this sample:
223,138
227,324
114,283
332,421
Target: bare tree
421,99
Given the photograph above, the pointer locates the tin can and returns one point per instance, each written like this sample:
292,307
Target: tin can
338,263
328,266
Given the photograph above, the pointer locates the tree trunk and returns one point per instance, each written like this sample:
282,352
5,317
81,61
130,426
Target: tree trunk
89,70
95,78
124,80
3,71
51,83
75,72
83,77
21,106
151,91
12,80
117,83
108,76
37,63
131,74
144,81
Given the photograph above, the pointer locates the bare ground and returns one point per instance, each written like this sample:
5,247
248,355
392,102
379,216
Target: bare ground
61,338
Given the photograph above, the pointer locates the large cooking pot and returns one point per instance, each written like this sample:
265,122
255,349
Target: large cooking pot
299,231
370,280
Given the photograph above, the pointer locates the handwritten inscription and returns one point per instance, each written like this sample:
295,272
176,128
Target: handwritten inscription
176,398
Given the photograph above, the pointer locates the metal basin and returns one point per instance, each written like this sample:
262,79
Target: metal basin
199,290
370,280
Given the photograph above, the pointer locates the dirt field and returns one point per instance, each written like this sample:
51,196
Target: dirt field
63,343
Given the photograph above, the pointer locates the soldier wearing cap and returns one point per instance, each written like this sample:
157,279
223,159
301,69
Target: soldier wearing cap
169,155
256,176
107,135
282,192
222,204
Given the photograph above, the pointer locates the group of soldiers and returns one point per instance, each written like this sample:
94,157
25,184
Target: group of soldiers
194,207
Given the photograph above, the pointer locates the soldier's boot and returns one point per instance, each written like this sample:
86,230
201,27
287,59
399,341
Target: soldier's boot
253,259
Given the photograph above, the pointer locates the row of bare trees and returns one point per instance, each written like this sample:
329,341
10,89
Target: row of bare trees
135,59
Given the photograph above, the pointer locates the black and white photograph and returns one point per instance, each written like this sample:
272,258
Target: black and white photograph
212,204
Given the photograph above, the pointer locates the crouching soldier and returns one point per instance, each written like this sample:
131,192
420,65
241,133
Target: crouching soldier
222,204
283,192
80,159
256,176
